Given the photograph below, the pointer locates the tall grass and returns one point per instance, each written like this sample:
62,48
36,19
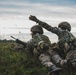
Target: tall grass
20,62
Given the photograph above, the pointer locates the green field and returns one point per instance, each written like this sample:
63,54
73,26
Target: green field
20,62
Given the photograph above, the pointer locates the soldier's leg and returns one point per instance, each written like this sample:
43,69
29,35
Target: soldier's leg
55,54
71,58
58,60
46,61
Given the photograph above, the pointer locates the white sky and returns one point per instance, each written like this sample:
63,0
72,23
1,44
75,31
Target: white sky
14,14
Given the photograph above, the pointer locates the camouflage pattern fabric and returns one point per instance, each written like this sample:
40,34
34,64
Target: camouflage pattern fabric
43,56
45,60
64,36
71,56
33,43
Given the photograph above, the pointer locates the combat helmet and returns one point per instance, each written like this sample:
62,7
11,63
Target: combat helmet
37,28
65,25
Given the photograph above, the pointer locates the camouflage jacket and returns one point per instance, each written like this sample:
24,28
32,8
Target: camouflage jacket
63,35
33,43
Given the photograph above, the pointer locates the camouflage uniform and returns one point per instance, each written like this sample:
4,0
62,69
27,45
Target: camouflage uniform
63,33
40,45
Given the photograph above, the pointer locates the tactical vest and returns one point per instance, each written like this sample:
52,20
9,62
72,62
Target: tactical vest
40,42
66,39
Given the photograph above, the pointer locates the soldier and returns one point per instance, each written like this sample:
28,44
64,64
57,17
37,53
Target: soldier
40,46
63,33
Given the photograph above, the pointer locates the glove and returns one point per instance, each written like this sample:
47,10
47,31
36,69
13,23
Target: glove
33,18
63,63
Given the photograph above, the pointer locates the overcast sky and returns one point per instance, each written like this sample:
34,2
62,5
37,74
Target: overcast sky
14,14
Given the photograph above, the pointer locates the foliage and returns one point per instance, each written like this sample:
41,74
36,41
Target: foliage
19,62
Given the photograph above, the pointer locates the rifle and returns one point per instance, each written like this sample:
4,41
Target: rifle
19,41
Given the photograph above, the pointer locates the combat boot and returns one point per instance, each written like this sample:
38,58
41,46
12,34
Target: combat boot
54,70
63,63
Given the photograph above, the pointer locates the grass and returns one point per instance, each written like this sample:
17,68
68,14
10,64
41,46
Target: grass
20,62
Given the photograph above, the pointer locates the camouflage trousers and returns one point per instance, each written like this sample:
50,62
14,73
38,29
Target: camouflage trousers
45,60
71,55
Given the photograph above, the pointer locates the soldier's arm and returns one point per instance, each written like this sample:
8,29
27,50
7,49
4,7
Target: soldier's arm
45,25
